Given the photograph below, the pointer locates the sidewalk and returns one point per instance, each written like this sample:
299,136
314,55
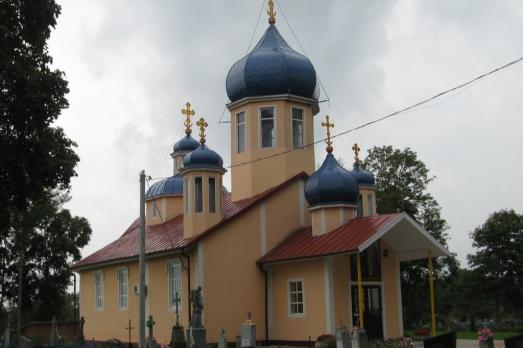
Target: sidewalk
466,344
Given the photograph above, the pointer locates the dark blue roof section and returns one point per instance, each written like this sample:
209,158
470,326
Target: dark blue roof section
171,186
186,144
331,184
271,68
203,158
364,177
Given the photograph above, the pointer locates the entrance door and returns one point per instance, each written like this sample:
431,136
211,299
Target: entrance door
373,318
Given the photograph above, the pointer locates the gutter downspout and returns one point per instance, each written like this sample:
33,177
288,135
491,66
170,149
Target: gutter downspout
187,257
266,303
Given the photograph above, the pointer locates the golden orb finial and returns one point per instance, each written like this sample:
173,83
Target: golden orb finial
188,113
356,150
327,124
271,12
202,124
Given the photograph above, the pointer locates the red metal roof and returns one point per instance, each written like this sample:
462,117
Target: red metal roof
346,238
169,236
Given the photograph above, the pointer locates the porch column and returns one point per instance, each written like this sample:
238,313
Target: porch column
360,291
431,284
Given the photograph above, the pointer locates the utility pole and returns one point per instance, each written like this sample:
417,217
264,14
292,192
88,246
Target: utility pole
141,328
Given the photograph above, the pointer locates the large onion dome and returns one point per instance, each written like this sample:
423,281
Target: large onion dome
331,184
202,158
171,186
186,144
272,68
364,177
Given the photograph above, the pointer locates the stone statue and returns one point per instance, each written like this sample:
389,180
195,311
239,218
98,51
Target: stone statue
197,307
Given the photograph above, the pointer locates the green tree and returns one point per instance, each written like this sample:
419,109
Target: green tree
402,181
499,260
35,155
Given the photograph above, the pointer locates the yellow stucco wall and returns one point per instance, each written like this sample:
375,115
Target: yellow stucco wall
327,219
312,323
169,208
389,271
246,178
341,274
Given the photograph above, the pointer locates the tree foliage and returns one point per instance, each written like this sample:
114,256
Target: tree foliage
402,186
499,260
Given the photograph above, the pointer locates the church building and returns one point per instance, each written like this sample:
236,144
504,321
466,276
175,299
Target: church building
302,250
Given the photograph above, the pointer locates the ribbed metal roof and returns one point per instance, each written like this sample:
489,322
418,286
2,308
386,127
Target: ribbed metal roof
171,186
346,238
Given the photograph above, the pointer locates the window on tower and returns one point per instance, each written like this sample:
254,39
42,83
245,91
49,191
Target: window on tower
198,195
297,128
212,195
267,127
240,132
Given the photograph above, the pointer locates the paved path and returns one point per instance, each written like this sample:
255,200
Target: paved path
466,344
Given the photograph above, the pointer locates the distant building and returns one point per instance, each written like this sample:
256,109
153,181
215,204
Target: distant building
283,244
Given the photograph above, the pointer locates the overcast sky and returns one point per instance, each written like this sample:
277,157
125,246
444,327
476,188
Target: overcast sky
132,65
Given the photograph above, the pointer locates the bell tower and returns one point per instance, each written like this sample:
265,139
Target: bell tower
274,96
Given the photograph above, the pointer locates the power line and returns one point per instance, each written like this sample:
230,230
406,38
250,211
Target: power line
395,113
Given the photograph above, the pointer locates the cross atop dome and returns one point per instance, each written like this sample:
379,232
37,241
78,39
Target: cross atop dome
356,150
271,12
202,124
327,124
188,113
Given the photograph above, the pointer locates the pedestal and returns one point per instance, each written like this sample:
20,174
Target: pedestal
343,339
360,339
248,336
197,337
150,342
178,337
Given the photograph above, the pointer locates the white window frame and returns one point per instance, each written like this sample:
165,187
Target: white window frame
244,130
99,290
120,271
170,292
289,302
292,129
275,118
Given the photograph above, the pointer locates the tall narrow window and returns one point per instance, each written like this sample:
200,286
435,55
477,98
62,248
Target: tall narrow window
198,195
369,204
240,132
267,127
99,290
360,206
174,268
212,195
297,128
296,300
186,196
123,288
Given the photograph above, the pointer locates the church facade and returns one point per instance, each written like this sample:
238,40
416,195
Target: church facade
302,250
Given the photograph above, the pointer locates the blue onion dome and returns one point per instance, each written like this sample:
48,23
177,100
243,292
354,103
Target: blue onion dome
331,184
186,144
202,158
171,186
272,68
364,177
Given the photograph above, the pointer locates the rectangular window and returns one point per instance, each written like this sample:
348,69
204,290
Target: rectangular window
174,269
212,195
370,264
240,132
123,288
360,206
297,128
99,290
369,204
296,300
198,195
187,195
267,127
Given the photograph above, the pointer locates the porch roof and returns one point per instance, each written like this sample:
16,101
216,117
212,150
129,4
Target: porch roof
400,231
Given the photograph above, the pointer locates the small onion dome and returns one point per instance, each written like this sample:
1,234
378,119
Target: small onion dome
272,68
186,144
331,184
172,186
202,158
364,177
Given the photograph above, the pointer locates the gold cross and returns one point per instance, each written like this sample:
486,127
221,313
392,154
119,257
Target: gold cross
271,12
356,150
188,113
328,125
202,124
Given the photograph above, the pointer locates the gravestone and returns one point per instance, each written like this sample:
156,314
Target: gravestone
177,335
151,341
196,334
222,341
343,339
54,337
447,340
248,333
81,338
514,342
359,338
238,341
